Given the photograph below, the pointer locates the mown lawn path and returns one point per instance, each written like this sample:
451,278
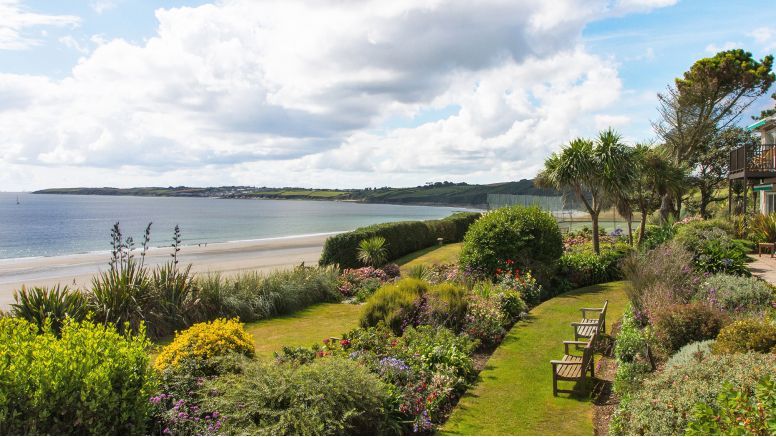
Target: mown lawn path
303,328
514,393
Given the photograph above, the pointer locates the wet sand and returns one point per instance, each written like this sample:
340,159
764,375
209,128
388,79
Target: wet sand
227,258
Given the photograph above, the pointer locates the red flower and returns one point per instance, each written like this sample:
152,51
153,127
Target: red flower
498,271
510,262
345,342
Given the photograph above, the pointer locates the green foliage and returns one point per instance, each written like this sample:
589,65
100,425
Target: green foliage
659,277
401,238
714,251
762,228
527,235
748,335
631,340
630,376
326,397
485,320
435,349
738,412
372,251
510,300
38,304
736,295
446,305
392,303
252,296
664,404
679,325
583,268
691,353
90,381
655,235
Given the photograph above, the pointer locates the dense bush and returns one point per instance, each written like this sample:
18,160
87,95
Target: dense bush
326,397
748,335
509,299
393,303
736,294
680,324
90,381
204,341
359,284
38,304
630,352
665,403
485,320
583,268
401,238
524,283
252,296
445,305
691,353
714,250
738,412
527,235
656,235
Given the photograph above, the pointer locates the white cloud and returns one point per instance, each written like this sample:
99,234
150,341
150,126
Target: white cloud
605,121
766,37
728,45
101,6
283,93
16,22
72,43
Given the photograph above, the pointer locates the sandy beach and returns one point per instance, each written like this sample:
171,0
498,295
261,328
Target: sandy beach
78,270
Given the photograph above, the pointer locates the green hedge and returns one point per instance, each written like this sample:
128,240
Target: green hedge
401,238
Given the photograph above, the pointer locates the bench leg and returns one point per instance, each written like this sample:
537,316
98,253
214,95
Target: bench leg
554,385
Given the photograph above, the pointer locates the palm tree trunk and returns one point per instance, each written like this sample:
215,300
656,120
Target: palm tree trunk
630,229
596,243
642,226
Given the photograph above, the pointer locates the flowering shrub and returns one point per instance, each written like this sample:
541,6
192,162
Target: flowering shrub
664,404
485,321
508,276
90,381
583,268
206,340
739,412
425,369
510,301
361,283
735,294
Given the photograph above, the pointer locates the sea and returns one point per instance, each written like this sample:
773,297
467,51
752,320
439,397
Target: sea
50,224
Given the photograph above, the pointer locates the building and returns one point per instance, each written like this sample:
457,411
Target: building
756,166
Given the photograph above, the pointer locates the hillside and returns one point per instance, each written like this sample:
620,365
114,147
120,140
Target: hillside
439,193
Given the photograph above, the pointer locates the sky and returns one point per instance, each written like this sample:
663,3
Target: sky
338,94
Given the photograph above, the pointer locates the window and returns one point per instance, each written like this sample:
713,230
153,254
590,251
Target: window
770,202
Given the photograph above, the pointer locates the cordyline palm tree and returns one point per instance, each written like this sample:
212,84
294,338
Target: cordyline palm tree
597,168
372,251
656,177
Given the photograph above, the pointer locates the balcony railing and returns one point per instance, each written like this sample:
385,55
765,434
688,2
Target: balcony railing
760,158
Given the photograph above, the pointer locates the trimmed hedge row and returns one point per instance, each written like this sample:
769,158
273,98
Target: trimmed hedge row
401,238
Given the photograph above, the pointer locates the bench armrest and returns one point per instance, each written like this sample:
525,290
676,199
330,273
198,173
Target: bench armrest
591,309
565,363
585,323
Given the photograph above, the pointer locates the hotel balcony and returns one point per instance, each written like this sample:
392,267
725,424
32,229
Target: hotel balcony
753,162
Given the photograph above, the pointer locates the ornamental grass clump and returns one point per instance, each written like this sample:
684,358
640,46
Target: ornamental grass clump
89,381
204,341
38,304
393,303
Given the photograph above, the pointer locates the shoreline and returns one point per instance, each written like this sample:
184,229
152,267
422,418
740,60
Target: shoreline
262,255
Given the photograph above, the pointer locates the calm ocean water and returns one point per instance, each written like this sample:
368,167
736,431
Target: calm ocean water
49,224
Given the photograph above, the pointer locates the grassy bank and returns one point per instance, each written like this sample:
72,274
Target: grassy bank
513,395
447,254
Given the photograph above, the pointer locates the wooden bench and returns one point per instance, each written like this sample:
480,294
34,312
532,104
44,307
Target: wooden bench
573,367
589,327
767,246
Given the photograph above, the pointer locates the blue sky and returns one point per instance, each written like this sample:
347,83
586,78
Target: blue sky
141,92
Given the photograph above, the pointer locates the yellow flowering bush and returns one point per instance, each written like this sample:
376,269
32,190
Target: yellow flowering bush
206,340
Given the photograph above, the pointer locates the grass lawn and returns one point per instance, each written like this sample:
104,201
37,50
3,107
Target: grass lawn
303,328
446,254
513,395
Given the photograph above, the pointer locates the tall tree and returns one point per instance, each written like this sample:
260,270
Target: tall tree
708,98
656,176
711,161
586,167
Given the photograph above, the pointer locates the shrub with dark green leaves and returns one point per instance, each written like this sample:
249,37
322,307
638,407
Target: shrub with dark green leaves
736,295
527,235
37,304
401,238
446,305
655,235
678,325
89,381
748,335
583,268
330,396
714,250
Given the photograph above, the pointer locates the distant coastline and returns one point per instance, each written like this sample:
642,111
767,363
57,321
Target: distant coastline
431,194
